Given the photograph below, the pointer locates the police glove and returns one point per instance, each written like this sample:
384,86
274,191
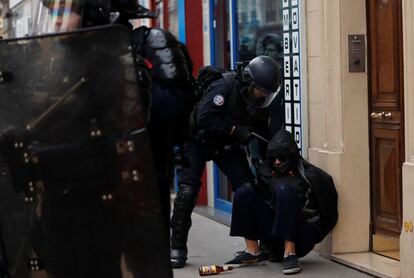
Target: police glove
241,134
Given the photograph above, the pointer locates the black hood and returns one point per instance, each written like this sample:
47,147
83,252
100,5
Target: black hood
283,147
282,144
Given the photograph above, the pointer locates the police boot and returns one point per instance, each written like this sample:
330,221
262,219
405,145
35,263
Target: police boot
180,223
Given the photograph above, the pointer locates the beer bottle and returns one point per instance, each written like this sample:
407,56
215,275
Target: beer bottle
213,269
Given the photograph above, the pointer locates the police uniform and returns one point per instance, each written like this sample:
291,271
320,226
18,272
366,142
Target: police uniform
220,110
171,100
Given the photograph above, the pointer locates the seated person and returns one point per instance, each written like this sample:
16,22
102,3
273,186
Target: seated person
292,207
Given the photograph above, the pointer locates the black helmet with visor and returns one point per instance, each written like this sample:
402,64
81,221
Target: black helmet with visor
262,74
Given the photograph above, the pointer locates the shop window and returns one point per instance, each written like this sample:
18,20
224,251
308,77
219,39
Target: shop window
173,17
142,21
262,27
159,7
21,21
221,27
221,53
259,31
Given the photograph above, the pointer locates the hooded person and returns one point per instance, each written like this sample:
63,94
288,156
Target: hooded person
291,208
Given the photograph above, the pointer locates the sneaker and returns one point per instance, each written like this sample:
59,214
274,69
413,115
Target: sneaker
291,265
244,258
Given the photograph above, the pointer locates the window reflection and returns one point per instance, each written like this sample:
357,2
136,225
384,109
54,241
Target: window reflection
173,17
258,32
221,34
259,29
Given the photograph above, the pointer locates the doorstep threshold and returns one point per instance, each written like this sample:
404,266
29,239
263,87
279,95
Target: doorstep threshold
370,263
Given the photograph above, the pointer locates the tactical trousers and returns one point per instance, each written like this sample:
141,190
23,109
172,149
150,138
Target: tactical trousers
233,163
166,111
253,219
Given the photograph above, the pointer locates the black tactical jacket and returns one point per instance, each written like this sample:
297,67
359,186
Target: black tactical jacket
222,107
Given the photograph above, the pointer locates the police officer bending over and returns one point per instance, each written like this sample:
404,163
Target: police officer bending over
293,208
233,106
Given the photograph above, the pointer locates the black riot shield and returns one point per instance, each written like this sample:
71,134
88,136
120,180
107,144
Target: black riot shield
78,195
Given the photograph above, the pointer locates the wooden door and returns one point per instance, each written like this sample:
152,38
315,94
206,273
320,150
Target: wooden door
386,115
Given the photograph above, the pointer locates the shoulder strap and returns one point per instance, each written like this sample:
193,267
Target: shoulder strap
301,170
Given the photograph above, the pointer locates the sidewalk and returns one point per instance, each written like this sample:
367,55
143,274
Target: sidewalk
210,243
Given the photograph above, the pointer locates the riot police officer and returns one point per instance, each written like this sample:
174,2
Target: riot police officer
172,95
232,107
90,236
172,100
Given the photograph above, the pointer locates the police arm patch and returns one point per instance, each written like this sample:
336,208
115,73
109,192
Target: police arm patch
218,100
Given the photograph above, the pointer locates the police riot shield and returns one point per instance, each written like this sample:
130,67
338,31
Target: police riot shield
78,194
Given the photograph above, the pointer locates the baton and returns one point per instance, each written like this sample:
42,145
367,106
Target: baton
259,137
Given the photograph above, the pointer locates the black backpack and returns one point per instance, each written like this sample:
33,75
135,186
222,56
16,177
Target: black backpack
325,197
206,76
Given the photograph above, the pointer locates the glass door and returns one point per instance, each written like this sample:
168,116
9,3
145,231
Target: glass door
244,29
220,58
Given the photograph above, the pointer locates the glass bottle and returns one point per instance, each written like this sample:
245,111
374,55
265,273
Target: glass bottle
213,269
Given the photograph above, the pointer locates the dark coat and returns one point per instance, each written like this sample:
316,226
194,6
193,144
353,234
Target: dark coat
323,196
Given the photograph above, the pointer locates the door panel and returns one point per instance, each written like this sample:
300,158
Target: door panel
387,177
386,113
386,53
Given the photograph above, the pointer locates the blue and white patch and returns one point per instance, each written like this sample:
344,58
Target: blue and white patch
218,100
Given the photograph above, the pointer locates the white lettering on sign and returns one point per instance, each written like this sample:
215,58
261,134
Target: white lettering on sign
287,90
286,43
296,66
298,137
295,42
296,113
292,69
287,66
296,90
295,19
286,20
288,114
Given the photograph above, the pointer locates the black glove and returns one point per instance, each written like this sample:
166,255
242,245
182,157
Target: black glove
242,134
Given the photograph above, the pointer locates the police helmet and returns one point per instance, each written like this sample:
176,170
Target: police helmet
262,73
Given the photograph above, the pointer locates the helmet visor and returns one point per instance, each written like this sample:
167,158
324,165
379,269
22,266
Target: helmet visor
55,16
261,98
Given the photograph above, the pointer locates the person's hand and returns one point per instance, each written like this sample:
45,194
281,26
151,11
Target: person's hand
241,134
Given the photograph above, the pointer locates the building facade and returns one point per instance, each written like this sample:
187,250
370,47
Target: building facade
348,82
